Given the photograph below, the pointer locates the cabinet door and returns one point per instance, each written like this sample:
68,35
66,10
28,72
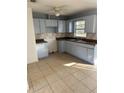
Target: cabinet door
42,25
68,47
95,24
61,46
81,52
54,23
61,26
36,26
90,56
42,50
90,23
69,26
51,23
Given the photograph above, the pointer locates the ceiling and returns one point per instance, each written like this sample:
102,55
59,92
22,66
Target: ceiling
71,6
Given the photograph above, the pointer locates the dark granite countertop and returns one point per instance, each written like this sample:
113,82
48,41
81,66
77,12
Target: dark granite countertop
40,41
79,40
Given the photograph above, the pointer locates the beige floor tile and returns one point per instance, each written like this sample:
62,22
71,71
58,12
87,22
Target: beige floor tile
88,72
38,84
42,68
90,83
32,65
30,91
95,91
29,81
47,72
63,73
70,80
80,88
44,90
67,90
60,87
52,78
72,70
30,84
33,70
55,71
80,75
35,76
94,76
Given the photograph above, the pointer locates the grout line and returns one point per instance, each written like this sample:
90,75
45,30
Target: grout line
51,67
46,80
61,79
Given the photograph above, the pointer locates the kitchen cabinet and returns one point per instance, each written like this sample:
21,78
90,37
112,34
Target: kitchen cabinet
95,24
36,26
61,26
90,55
83,51
51,23
76,50
90,23
42,25
68,47
61,46
69,27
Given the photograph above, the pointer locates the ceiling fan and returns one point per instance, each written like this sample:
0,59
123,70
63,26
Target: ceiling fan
33,0
57,10
54,10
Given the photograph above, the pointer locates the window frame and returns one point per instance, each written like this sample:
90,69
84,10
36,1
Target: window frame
79,29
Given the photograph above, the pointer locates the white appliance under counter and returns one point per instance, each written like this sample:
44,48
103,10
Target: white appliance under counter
42,50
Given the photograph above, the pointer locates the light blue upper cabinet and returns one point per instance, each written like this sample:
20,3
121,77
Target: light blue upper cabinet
90,26
51,23
36,26
42,25
69,27
61,26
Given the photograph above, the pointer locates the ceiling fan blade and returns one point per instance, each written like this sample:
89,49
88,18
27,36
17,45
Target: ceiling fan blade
63,6
33,0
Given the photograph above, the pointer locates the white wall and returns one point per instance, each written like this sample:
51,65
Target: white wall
31,45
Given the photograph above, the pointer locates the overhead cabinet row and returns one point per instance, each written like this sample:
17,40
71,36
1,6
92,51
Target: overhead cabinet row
51,23
90,24
41,25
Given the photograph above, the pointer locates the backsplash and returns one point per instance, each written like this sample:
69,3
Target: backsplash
53,35
92,36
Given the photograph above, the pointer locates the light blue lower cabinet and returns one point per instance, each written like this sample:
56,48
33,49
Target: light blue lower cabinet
61,46
90,56
82,51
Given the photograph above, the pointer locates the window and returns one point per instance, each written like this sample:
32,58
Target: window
80,28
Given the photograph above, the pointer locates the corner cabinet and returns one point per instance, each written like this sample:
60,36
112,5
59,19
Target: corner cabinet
61,46
61,26
36,26
91,24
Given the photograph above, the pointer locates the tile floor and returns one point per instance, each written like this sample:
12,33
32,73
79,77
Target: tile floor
61,73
